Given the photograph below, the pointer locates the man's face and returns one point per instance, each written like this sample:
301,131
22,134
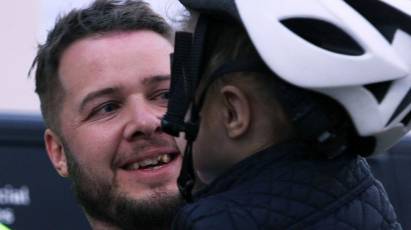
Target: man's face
115,93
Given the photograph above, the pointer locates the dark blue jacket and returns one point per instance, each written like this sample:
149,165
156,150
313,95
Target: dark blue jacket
280,188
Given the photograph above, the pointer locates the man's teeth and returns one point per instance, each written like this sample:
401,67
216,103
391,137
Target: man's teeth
164,159
133,166
147,162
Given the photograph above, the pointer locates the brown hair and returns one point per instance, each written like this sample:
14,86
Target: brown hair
227,41
102,16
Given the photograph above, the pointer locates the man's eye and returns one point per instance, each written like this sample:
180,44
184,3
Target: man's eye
109,107
104,109
163,95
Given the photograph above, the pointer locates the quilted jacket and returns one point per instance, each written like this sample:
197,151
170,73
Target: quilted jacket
280,188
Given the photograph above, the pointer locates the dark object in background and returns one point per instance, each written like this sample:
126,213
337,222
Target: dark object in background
32,194
394,171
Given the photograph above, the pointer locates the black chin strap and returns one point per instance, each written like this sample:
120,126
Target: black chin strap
173,121
186,72
186,180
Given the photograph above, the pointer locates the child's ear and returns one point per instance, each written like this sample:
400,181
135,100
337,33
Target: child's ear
55,151
236,111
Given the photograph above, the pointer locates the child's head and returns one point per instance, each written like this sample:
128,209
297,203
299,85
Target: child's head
240,114
331,74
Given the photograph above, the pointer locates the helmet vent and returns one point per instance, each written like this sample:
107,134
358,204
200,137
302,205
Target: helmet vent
406,119
404,103
324,35
385,18
379,90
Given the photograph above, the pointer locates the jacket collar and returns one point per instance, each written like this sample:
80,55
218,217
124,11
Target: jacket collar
251,166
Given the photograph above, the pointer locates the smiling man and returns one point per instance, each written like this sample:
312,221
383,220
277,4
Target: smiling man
103,78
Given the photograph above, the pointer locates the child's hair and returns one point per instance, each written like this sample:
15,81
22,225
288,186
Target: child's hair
226,41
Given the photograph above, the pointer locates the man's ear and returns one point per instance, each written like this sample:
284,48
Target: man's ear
55,151
236,111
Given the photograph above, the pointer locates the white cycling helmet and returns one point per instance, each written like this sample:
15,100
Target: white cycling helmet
356,52
299,40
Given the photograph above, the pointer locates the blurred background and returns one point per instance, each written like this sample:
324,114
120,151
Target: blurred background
24,24
32,195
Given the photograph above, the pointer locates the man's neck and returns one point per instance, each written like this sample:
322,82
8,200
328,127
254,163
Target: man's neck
103,226
100,225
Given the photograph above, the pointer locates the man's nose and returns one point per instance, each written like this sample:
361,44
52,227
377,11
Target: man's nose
143,120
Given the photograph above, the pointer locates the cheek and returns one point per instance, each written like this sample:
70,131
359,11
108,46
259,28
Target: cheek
199,159
206,154
94,147
209,145
200,151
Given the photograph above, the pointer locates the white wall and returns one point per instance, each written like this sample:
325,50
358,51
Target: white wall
19,24
24,24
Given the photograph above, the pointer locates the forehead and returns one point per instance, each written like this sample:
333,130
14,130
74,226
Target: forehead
111,58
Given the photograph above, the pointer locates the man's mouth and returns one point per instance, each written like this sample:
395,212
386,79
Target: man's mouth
151,163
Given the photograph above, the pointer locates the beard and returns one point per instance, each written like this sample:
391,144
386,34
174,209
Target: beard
102,201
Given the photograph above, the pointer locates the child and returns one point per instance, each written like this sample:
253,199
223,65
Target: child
291,95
